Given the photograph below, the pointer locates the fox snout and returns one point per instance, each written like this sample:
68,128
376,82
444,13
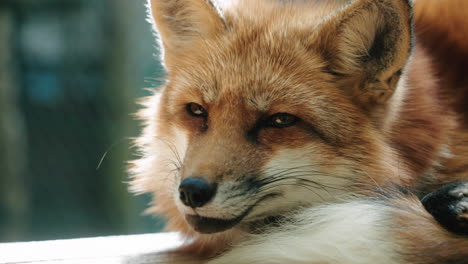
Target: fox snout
196,192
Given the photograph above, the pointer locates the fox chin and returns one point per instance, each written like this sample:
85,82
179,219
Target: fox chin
310,131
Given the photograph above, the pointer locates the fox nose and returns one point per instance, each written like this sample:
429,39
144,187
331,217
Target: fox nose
196,192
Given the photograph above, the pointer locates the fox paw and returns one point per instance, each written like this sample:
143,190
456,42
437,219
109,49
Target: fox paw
449,206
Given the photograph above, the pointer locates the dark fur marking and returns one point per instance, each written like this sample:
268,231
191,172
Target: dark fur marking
389,80
265,225
382,46
252,134
399,72
328,70
314,131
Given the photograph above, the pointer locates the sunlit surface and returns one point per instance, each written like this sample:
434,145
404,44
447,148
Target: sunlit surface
102,250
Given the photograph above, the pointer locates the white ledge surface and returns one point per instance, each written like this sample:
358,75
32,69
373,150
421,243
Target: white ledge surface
99,250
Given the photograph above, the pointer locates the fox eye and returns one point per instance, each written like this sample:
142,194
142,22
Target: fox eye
281,120
197,110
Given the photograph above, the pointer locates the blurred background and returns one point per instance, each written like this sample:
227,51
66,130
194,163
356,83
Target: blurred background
70,71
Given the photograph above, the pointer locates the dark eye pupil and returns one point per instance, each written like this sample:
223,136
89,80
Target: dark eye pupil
282,120
196,110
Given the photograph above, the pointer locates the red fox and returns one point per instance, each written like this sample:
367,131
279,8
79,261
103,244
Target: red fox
310,131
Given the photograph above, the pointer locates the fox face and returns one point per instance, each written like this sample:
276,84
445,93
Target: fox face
270,107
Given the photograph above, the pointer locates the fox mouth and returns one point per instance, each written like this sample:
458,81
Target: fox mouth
207,225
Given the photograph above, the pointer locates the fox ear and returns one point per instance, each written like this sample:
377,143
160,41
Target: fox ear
368,43
182,22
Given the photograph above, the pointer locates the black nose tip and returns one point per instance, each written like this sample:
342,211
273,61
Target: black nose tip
196,192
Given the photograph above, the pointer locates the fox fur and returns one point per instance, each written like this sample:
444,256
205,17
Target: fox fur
378,90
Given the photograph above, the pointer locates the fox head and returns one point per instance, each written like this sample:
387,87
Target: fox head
270,106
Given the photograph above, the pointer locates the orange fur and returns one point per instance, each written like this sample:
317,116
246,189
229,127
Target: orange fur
374,110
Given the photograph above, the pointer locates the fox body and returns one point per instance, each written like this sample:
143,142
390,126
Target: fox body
284,128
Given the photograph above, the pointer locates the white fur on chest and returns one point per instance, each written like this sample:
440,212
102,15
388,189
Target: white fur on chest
347,233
